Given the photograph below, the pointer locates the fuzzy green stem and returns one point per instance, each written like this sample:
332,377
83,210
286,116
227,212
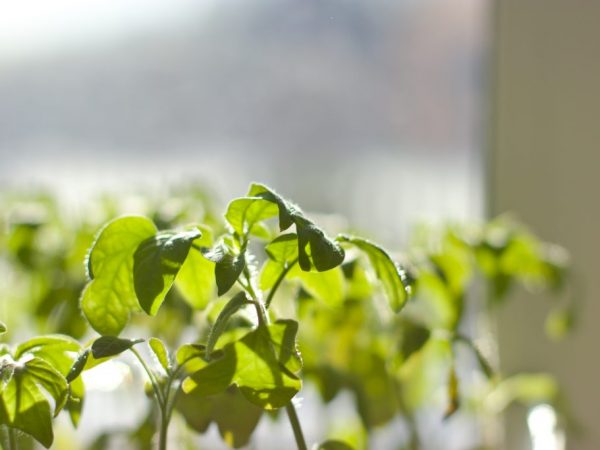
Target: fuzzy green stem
281,277
298,435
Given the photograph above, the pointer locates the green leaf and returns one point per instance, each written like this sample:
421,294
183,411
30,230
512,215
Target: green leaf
388,272
262,364
245,214
315,249
235,428
106,346
236,303
327,287
2,328
286,209
109,297
196,279
58,351
23,401
161,353
187,352
269,274
334,445
156,263
283,249
228,266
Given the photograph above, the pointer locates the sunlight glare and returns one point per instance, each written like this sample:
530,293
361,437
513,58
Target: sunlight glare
542,423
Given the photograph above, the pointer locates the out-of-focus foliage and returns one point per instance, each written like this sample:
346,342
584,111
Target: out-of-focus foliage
269,300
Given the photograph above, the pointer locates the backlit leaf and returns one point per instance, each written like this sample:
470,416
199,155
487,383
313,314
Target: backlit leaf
109,297
388,272
262,364
157,261
236,303
228,266
196,279
160,352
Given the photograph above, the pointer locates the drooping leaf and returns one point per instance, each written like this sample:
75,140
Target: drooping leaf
156,262
23,401
315,249
228,266
236,303
106,346
235,416
109,297
160,353
58,351
262,364
196,279
388,272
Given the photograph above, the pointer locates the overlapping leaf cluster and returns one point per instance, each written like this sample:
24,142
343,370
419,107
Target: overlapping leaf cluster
284,302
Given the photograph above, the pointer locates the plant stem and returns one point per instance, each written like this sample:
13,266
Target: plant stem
162,398
12,439
298,435
164,427
281,277
153,380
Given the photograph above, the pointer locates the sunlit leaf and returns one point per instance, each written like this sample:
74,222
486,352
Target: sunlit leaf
334,445
157,261
109,297
283,249
236,303
23,401
315,249
196,279
262,364
325,286
58,351
245,214
160,352
388,272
